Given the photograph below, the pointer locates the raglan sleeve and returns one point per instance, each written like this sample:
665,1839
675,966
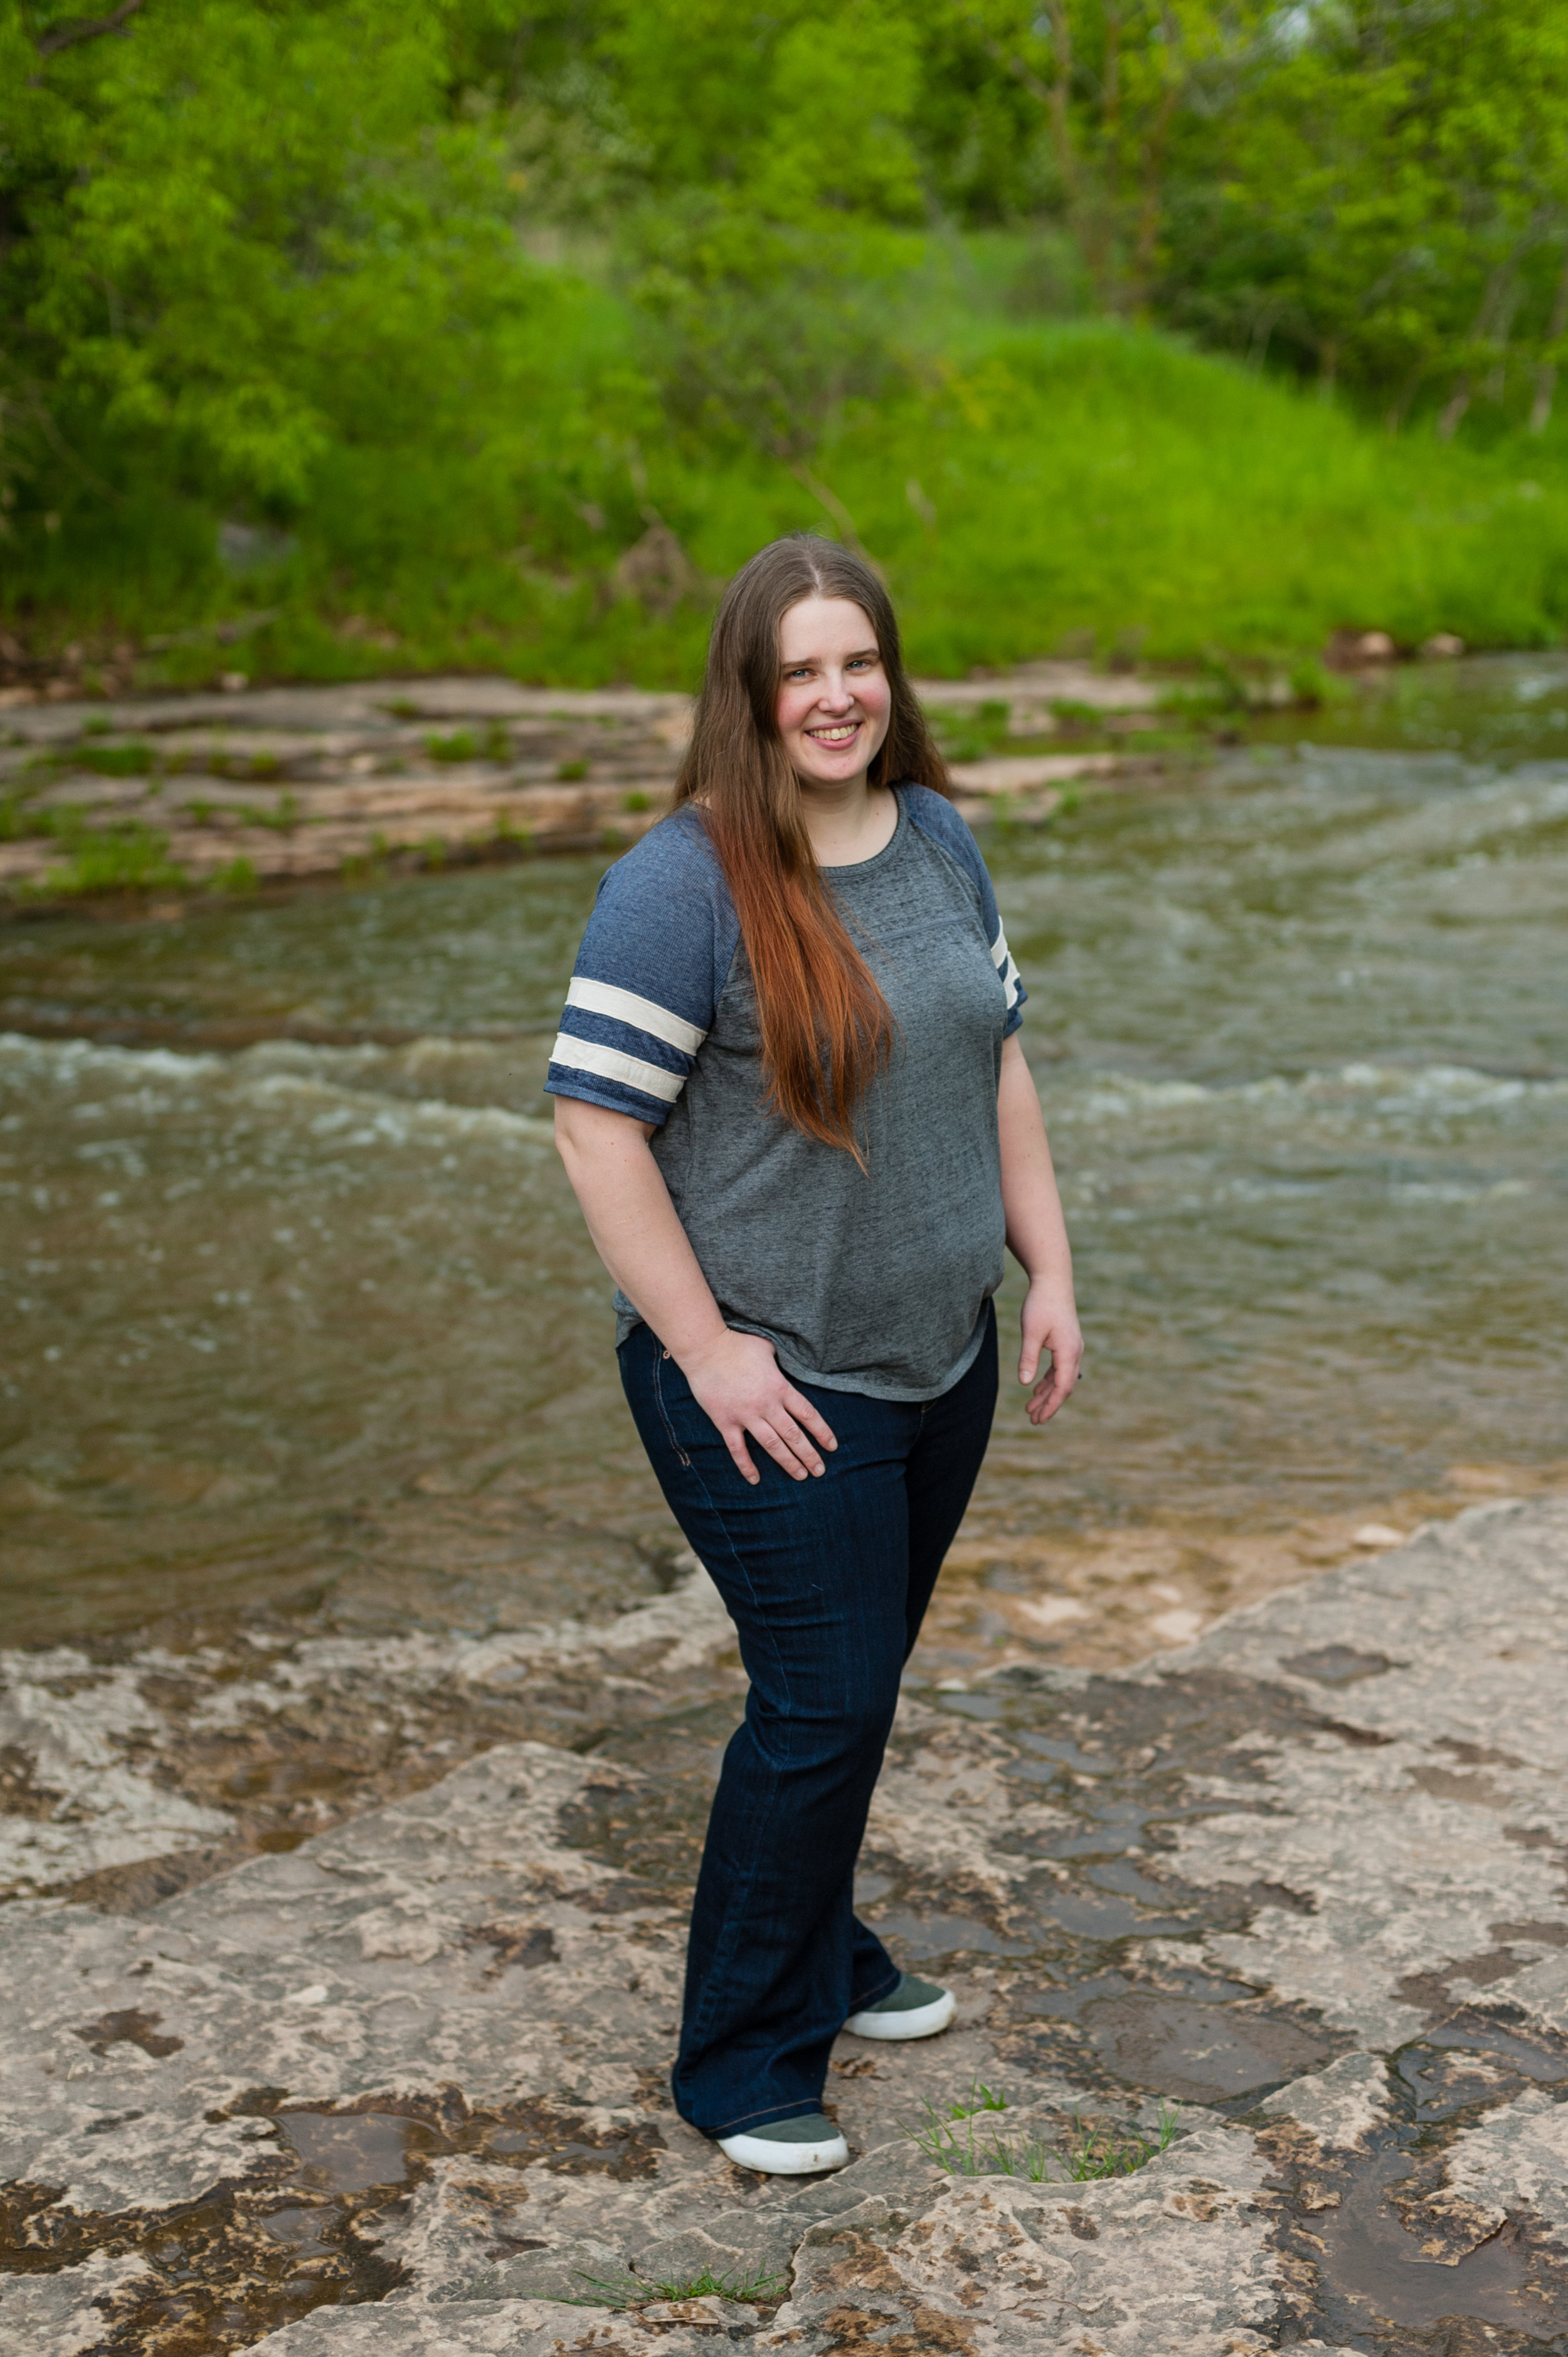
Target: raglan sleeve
1001,956
948,827
642,993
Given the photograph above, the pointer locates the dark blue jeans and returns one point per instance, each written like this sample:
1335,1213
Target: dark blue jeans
827,1582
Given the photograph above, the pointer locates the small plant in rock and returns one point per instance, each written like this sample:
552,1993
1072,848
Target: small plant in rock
115,760
980,2098
953,2139
1078,718
570,772
760,2291
238,877
461,746
17,823
1097,2152
637,800
282,820
118,859
970,736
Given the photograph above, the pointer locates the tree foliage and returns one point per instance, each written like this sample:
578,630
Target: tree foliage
263,258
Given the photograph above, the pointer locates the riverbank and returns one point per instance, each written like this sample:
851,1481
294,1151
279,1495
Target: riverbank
1284,1893
222,795
1073,488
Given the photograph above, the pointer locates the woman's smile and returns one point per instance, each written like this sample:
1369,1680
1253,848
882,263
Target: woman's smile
834,701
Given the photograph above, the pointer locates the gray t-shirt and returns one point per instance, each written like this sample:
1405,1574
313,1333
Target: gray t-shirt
872,1281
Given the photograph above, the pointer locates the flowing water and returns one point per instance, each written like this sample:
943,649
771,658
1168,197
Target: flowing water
299,1317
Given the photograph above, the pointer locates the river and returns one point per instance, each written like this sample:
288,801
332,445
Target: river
303,1330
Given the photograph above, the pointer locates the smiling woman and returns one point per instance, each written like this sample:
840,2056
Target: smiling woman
798,1120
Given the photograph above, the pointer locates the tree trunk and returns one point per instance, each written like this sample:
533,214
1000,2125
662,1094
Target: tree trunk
1453,410
1151,205
1546,374
826,497
1059,97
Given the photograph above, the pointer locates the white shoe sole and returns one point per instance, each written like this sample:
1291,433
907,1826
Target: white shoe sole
784,2160
918,2021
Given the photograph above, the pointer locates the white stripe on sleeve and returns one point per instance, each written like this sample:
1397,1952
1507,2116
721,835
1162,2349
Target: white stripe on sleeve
609,1064
1001,958
643,1014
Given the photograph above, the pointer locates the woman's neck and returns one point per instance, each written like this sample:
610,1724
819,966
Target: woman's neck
848,823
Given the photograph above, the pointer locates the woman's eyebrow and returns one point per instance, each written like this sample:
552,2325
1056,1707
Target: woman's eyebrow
813,662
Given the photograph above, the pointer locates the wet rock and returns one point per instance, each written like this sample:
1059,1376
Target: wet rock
71,2310
97,1752
1176,2256
403,2088
1515,2158
1338,2106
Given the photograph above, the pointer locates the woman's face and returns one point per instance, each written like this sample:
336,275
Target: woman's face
834,702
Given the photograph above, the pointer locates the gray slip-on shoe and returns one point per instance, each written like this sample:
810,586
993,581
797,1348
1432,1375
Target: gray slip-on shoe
916,2008
795,2147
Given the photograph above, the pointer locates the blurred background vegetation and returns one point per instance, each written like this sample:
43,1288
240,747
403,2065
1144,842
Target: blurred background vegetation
348,335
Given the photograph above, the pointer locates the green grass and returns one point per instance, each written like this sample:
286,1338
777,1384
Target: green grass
1032,488
634,2291
128,858
115,760
956,2140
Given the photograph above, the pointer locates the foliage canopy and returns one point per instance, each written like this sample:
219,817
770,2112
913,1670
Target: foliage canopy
375,280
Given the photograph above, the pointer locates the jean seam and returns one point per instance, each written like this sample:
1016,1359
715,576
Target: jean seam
885,1989
663,1411
723,1955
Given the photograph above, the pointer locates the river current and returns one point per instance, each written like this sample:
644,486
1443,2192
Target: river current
301,1324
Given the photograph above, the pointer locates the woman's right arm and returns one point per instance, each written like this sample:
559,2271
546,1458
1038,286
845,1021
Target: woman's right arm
734,1378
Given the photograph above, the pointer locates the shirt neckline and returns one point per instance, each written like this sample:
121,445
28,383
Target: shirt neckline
862,866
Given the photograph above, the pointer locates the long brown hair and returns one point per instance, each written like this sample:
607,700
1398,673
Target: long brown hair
826,1028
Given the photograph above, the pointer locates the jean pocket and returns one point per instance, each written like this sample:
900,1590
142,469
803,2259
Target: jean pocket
661,1359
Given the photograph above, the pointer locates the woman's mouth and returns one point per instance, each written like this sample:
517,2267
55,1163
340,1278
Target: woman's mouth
842,731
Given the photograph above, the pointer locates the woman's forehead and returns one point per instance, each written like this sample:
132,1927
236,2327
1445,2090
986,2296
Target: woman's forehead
824,626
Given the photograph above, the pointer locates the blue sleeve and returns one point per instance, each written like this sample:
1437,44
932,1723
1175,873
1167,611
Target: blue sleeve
937,819
647,976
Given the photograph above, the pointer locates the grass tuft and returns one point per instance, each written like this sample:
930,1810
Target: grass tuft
761,2290
127,858
957,2144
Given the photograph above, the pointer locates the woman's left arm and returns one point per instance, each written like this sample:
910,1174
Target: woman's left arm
1037,1235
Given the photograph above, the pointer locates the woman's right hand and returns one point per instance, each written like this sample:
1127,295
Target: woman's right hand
740,1386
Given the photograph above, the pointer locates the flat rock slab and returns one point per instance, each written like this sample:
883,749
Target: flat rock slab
279,785
1262,1954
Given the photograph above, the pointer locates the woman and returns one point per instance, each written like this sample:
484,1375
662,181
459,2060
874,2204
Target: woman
798,1122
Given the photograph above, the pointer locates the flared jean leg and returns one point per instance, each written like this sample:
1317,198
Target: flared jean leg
816,1575
940,1474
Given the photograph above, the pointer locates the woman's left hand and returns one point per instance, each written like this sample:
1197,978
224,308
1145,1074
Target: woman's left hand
1049,1322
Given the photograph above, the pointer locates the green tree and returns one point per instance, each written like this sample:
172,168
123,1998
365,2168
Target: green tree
1385,198
1113,81
245,245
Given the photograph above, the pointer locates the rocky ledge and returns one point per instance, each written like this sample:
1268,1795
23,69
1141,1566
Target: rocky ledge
1261,1952
227,791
